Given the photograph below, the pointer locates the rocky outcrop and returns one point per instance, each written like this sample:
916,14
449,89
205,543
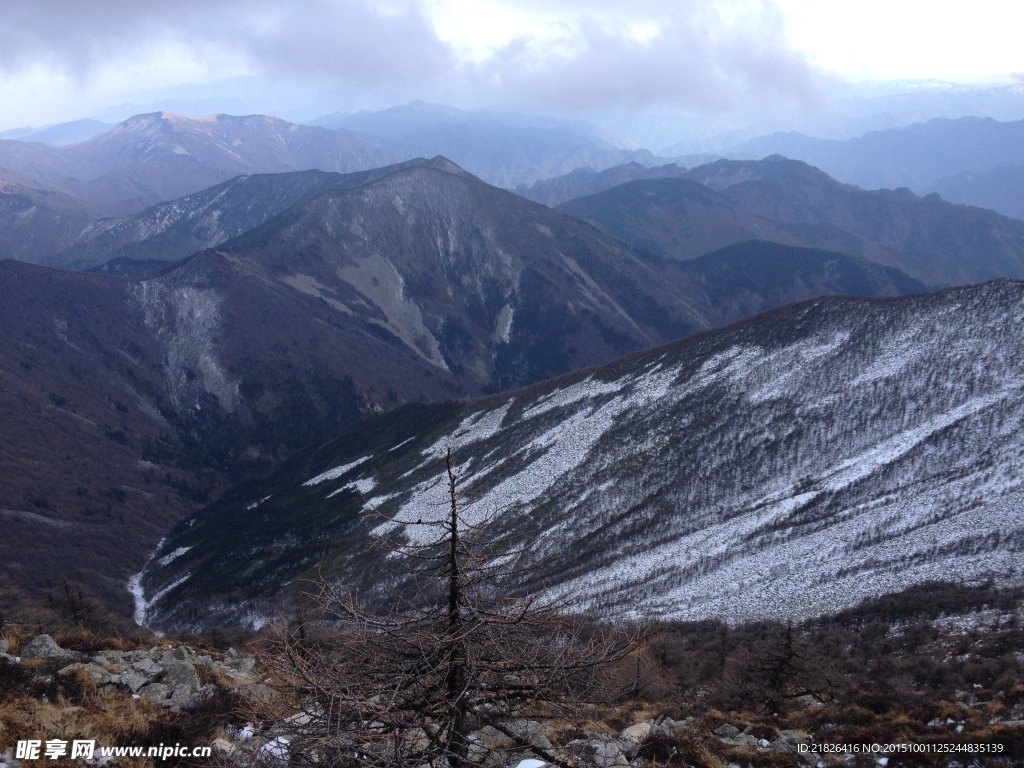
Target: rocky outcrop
166,675
44,647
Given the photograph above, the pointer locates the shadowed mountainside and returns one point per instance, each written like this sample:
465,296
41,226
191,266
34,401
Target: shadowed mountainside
790,202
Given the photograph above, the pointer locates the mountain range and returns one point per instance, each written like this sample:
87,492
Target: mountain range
787,466
791,202
54,194
227,331
925,157
161,156
421,283
171,231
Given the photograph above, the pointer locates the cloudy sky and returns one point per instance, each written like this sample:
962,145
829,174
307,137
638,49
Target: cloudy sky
60,60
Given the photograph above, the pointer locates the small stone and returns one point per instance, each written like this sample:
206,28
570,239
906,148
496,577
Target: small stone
726,731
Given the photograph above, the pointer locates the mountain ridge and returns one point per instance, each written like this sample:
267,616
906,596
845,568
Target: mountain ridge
791,202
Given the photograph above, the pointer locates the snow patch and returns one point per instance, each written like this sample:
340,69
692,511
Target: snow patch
333,474
364,485
166,559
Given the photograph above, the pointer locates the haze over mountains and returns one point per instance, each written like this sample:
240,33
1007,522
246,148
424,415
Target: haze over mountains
503,149
160,156
924,157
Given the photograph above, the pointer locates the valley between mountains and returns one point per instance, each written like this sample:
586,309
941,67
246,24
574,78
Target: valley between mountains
173,397
342,296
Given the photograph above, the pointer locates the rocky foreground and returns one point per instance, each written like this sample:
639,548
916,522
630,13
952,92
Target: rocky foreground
183,681
225,703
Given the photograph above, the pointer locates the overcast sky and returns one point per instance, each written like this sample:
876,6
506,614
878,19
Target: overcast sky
60,60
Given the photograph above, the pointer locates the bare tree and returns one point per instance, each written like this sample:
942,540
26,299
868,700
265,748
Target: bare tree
780,667
408,684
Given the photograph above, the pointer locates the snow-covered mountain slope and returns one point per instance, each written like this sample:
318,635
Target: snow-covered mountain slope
792,464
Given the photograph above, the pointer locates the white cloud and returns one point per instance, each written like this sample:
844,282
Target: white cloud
701,55
564,53
886,39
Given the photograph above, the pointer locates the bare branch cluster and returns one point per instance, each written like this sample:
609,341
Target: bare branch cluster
409,685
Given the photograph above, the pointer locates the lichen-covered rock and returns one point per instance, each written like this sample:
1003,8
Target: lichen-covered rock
45,647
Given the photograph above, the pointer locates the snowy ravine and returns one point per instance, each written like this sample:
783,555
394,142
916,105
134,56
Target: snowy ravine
788,466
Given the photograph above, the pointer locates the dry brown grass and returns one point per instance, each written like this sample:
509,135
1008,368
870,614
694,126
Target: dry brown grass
80,710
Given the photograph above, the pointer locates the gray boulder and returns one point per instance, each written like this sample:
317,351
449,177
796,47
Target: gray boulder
45,647
599,753
182,675
141,673
726,731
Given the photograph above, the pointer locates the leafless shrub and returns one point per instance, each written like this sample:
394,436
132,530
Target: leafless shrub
408,683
